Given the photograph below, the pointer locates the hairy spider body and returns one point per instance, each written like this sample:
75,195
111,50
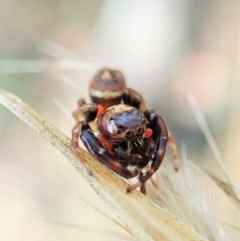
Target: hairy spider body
130,138
127,138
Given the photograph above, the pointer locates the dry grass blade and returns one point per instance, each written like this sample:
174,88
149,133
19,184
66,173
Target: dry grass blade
192,197
144,218
205,129
105,215
225,187
22,66
64,110
12,66
90,230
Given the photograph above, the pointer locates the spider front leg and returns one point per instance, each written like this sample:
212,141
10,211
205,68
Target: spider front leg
90,110
161,135
92,144
171,142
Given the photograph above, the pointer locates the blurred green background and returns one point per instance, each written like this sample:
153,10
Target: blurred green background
165,49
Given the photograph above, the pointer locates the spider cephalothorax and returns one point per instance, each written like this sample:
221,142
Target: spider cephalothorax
121,123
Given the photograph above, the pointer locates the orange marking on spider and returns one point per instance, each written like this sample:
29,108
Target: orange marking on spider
148,133
100,110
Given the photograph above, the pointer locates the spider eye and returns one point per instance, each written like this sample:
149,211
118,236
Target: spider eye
128,134
139,131
119,131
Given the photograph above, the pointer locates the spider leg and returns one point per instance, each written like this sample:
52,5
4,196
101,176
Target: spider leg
82,130
143,186
90,111
160,130
171,141
78,111
133,98
173,146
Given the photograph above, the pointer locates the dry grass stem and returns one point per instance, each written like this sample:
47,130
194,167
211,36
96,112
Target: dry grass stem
89,229
146,220
192,197
226,188
205,129
105,215
40,66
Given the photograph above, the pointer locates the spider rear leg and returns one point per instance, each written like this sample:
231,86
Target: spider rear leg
89,110
173,146
133,98
78,111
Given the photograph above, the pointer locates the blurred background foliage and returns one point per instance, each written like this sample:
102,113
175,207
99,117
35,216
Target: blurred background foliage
165,49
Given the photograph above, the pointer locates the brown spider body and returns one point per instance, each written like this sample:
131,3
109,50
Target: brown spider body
128,136
142,138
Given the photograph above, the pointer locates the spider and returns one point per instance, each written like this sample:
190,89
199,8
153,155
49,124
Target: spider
129,136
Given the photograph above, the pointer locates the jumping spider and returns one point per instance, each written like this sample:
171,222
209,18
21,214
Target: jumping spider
128,136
